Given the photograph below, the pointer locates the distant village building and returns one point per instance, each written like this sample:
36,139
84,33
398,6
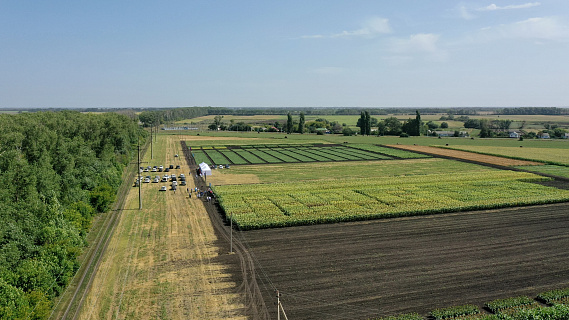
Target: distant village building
543,135
179,128
515,134
566,135
451,133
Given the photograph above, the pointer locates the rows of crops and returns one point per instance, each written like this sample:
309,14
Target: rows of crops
262,154
311,202
389,151
515,308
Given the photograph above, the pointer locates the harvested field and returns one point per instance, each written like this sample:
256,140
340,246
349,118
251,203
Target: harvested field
493,160
388,267
164,261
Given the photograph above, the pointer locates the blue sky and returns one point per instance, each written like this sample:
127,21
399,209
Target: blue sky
407,53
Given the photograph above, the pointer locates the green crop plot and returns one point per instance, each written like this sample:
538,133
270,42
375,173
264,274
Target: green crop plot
389,151
234,157
200,157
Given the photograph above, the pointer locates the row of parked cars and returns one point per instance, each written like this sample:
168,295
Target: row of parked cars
157,179
158,168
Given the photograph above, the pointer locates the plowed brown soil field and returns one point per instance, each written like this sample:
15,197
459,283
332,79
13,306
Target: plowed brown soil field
388,267
467,156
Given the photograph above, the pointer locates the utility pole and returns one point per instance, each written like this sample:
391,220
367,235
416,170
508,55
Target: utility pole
151,150
280,307
139,179
231,233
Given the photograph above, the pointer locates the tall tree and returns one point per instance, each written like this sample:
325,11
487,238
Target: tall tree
362,123
301,123
367,123
418,124
289,123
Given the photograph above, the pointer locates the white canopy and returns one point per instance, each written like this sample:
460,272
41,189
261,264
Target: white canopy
205,169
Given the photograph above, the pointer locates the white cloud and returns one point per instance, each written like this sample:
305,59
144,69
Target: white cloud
494,7
464,13
421,43
540,28
370,28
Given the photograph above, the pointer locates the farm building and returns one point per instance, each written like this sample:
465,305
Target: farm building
543,135
515,134
205,169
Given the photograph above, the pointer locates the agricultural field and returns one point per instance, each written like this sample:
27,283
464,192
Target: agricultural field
290,153
560,171
328,172
312,202
164,261
481,158
380,268
553,156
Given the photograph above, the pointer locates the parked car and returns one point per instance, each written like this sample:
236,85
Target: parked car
165,179
163,188
171,166
147,180
183,182
154,170
174,183
156,180
146,170
176,155
160,168
220,166
178,167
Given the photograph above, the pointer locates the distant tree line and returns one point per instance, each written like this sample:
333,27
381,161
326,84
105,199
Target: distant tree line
58,170
533,111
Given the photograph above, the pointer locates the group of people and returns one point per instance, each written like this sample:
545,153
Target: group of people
201,194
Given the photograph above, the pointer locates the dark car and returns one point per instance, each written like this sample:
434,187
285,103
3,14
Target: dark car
171,166
167,170
178,167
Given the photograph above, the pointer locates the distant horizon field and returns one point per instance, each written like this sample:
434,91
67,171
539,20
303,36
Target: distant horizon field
281,138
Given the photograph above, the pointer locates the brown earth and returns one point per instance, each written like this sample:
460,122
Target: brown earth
388,267
470,156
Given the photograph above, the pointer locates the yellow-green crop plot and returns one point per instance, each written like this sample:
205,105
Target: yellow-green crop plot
549,155
311,202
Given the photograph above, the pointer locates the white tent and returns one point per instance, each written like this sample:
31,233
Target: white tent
205,169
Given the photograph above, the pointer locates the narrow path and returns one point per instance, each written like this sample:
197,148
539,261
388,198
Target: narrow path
254,299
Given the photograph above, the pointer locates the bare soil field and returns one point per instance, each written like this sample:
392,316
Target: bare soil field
467,156
388,267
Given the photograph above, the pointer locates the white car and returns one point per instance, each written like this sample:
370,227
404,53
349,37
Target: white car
147,180
163,188
156,180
